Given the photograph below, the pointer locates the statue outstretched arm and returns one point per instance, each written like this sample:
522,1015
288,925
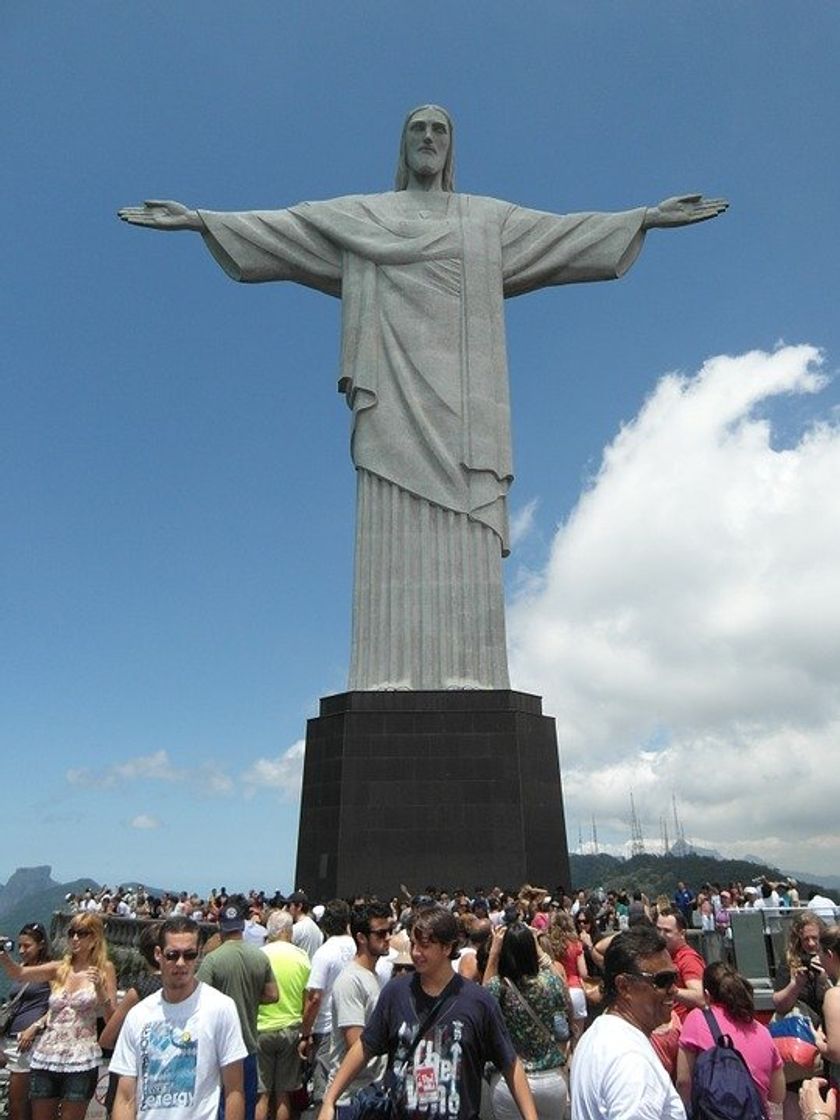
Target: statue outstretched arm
683,210
162,214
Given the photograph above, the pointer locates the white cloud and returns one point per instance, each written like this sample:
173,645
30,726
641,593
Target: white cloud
145,821
284,773
207,778
150,767
522,522
685,629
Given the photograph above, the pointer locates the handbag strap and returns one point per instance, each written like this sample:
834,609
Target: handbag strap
511,987
16,998
434,1013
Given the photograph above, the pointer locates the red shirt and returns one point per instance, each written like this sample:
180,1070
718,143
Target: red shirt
690,965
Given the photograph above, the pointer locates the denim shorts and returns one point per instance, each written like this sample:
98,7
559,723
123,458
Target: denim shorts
46,1084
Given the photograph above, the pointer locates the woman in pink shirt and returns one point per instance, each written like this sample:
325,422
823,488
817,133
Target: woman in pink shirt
730,997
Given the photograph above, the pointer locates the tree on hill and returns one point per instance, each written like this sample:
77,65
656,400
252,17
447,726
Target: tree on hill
657,875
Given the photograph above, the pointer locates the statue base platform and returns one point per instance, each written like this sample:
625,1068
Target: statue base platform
451,788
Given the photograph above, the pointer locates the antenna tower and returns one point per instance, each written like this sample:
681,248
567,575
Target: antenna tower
663,828
637,840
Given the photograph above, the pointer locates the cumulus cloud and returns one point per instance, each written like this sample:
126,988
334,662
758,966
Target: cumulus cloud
284,773
207,778
522,522
145,821
684,629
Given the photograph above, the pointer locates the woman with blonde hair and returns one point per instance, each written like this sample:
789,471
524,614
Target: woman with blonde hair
567,948
64,1061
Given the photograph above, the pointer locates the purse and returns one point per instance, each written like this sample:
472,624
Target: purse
9,1010
561,1031
375,1102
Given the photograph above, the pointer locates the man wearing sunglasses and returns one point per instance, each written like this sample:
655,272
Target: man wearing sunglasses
180,1045
616,1073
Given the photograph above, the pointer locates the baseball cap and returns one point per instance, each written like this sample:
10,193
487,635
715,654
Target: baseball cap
231,919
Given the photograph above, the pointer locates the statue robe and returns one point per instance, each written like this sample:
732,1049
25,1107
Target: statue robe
423,366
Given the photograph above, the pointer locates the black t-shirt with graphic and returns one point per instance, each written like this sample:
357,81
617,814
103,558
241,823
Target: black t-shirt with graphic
441,1080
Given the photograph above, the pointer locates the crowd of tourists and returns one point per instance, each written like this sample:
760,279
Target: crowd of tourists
445,1006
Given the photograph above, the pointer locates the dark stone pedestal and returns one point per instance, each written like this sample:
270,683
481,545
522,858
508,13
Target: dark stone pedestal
445,788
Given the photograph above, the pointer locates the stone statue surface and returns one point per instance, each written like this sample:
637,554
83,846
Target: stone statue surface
422,273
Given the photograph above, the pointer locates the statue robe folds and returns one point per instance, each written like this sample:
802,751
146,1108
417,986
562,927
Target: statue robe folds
423,366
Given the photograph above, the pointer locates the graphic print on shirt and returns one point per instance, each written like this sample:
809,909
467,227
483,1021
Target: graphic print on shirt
430,1084
168,1058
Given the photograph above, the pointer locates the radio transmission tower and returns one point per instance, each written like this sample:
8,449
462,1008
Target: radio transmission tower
594,837
637,840
663,830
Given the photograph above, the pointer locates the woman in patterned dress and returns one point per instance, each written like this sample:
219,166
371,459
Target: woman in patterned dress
64,1062
535,1005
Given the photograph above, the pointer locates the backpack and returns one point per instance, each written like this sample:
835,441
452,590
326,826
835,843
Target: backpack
722,1087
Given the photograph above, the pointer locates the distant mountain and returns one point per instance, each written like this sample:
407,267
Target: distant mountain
25,881
683,848
831,882
31,895
659,874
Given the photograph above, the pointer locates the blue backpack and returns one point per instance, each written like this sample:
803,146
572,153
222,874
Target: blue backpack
722,1087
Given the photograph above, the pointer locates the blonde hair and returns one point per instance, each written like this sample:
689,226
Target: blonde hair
561,933
794,956
98,949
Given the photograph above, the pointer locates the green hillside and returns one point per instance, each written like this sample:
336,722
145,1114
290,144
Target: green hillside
660,874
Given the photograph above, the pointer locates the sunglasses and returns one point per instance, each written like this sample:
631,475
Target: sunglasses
176,954
663,980
380,933
80,933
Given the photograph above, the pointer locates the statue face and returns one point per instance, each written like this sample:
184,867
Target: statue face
427,142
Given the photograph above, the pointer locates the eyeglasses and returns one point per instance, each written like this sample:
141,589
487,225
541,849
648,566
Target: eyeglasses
80,933
383,933
176,954
663,980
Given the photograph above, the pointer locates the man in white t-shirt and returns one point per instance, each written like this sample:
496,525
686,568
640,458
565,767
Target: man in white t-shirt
305,933
179,1046
327,963
616,1074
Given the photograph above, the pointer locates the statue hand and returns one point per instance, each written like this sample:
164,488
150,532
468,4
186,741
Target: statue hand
684,210
158,214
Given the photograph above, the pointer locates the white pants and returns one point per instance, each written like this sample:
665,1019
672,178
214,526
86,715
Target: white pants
548,1088
578,996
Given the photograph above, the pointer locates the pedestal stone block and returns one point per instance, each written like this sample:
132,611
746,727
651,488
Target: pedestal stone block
451,788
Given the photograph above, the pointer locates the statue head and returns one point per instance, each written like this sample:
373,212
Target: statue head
448,177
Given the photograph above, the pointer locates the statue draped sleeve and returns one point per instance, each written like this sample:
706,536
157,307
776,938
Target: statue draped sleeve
424,369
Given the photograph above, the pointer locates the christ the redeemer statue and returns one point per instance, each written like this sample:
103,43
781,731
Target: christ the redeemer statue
422,273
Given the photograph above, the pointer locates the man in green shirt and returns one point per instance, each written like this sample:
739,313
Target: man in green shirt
279,1024
242,972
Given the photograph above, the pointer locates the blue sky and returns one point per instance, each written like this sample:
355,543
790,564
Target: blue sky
177,493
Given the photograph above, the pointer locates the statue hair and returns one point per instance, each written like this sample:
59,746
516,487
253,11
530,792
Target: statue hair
448,176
